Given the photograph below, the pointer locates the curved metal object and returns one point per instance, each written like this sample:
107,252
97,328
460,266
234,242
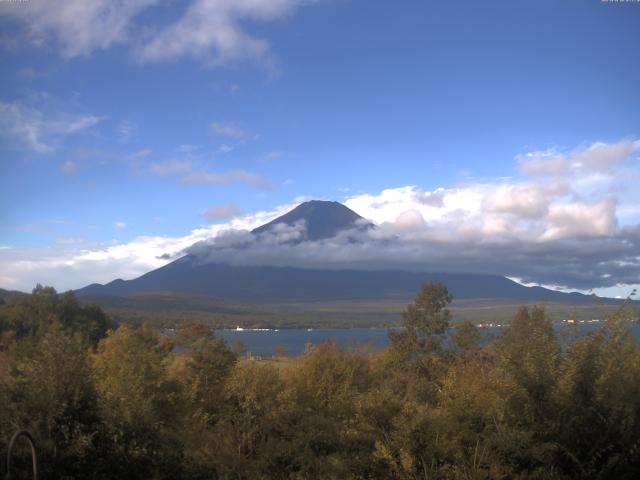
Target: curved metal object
34,457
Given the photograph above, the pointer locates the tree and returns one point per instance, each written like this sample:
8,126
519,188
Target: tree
466,339
246,441
524,376
208,368
191,333
597,423
425,320
48,390
140,405
415,357
32,315
322,417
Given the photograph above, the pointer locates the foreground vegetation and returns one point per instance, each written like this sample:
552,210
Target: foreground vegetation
106,402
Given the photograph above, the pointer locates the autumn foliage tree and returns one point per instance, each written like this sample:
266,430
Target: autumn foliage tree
439,402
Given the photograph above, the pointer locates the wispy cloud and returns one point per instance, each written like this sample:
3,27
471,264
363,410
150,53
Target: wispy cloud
226,211
211,31
236,176
40,129
28,73
189,169
78,27
173,167
69,167
229,130
272,155
224,148
135,159
126,130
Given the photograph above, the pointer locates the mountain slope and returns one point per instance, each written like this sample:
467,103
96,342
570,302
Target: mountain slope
322,219
269,284
262,284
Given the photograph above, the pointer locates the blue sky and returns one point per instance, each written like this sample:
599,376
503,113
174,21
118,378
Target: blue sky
125,121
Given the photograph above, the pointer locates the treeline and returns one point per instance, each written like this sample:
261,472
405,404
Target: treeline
105,402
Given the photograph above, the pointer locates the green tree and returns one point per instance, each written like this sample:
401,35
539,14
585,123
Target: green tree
48,391
597,424
323,415
192,333
415,360
524,376
209,366
31,315
245,441
141,406
466,339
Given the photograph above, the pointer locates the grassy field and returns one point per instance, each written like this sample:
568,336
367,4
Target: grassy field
169,310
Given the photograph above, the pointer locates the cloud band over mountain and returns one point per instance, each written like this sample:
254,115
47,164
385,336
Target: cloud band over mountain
579,263
568,220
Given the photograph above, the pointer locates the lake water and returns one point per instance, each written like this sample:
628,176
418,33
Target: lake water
263,342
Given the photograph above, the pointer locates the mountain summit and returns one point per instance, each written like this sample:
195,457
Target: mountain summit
323,219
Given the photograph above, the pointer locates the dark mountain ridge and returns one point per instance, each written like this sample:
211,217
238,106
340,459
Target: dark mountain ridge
267,284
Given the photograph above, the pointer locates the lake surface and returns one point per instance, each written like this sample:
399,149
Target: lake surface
264,342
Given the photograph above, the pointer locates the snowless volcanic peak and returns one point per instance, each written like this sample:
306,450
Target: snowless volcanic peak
323,219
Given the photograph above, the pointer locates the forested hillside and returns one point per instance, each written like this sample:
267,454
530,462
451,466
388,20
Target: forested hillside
107,402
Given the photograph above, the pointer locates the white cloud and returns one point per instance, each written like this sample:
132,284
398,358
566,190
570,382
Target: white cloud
237,176
39,130
189,167
596,158
410,220
126,130
408,244
120,225
523,200
222,212
581,219
433,199
538,228
272,155
391,202
212,31
69,167
547,162
229,130
136,158
74,266
75,124
173,167
79,27
602,157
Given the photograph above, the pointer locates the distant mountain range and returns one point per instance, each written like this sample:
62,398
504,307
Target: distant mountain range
270,284
7,294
